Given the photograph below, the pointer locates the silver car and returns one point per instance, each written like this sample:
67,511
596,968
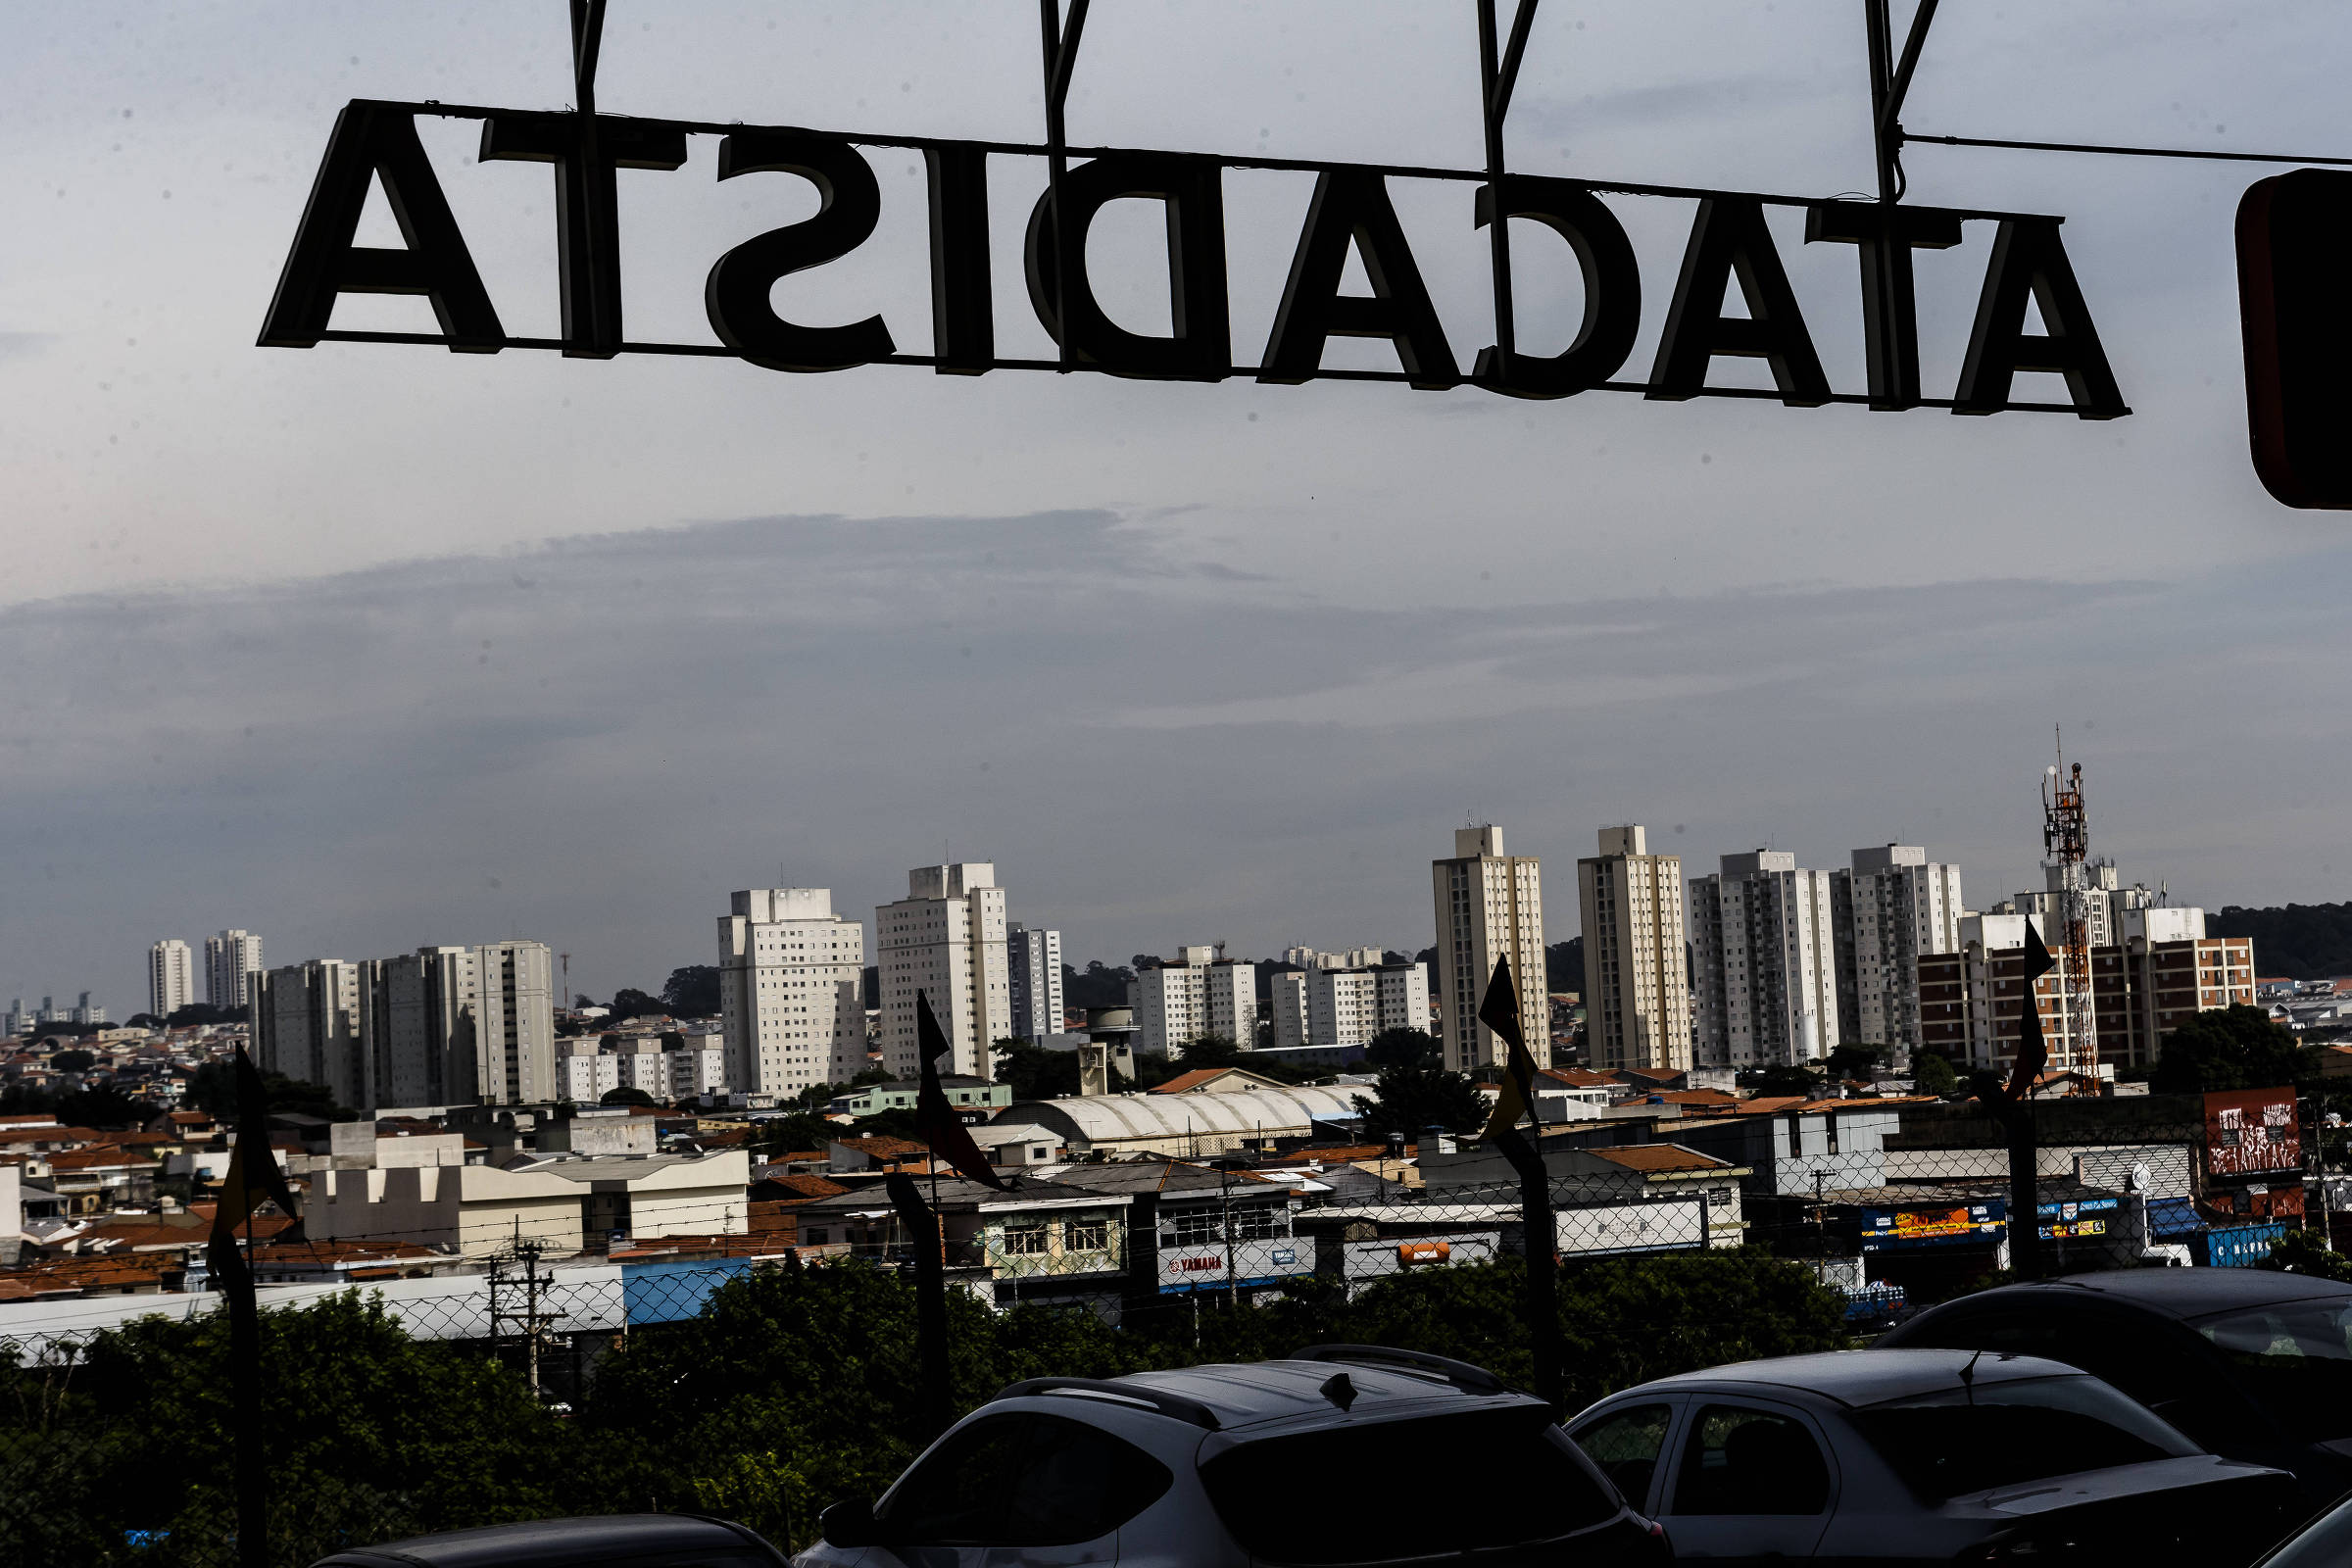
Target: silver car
1342,1454
1912,1455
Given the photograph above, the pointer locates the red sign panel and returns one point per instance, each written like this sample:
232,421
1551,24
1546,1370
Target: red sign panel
2250,1132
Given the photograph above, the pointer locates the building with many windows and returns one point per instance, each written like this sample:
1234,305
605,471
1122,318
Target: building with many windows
1353,1006
1763,981
1636,985
1033,963
170,977
228,959
1201,993
1890,909
791,1007
306,1024
946,939
1489,906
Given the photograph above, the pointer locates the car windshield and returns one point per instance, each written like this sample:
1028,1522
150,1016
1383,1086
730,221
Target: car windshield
1526,1483
2295,1357
2324,1543
1962,1439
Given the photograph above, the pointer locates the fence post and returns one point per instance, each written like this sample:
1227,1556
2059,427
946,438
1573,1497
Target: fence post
2025,1190
1140,1298
1539,1243
930,1302
245,1385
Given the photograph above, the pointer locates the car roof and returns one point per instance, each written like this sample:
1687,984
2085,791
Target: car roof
2187,1293
551,1541
1865,1377
1256,1393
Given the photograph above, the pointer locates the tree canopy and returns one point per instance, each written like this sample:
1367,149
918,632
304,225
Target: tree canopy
2228,1047
74,1061
623,1094
692,992
1932,1073
628,1002
1406,1100
1404,1048
213,1089
203,1012
2302,941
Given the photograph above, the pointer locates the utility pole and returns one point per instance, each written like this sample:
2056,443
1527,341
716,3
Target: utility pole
532,1318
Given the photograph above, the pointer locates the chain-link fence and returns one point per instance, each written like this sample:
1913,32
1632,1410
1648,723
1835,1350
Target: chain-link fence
764,1384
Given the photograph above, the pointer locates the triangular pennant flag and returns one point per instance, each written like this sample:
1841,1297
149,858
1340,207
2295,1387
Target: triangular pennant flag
934,1117
1499,1011
2032,1052
252,1172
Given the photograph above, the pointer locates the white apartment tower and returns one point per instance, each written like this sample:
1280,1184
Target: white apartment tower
1353,1006
1203,993
1034,960
947,939
1489,906
418,1030
1892,907
227,959
790,1005
170,977
1764,981
515,1030
306,1024
1637,984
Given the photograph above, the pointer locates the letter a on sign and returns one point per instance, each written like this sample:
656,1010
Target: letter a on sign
1728,240
1353,206
2294,233
379,141
2028,258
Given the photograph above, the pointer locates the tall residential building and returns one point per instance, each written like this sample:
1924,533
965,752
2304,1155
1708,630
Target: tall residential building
418,1029
170,977
947,939
306,1024
227,959
788,983
1351,1006
1891,908
1764,975
515,1037
1489,906
2162,972
1033,963
1636,980
1287,1003
1345,959
1201,993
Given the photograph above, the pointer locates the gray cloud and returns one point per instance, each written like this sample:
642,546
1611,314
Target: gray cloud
594,740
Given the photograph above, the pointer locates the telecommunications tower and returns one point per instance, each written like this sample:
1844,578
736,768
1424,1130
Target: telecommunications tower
2066,846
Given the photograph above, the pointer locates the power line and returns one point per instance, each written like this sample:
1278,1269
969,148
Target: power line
2124,152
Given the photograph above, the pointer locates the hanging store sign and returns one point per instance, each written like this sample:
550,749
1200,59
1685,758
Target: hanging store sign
1729,245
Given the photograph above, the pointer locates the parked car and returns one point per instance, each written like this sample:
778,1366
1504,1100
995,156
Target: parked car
1227,1466
2253,1364
1928,1455
2322,1543
633,1539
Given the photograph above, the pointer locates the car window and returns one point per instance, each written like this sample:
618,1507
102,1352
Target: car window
1023,1480
1625,1443
2295,1359
2324,1543
1741,1460
1529,1484
1975,1437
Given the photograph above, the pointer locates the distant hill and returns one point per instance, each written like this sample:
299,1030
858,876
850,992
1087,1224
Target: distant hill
2303,941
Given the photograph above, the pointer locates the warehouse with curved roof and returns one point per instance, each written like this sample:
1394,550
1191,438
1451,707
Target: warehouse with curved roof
1184,1125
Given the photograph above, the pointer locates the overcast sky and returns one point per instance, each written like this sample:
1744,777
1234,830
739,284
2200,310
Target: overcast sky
365,647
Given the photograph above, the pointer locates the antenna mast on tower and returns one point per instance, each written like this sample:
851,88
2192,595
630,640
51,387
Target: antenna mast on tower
2066,844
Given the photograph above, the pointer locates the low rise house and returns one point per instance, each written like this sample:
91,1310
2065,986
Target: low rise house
568,1203
974,1099
1035,1240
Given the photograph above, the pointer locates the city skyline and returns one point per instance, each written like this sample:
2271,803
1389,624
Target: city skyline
370,646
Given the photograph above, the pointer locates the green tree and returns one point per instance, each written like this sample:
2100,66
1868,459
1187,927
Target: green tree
213,1090
74,1061
2301,1251
1406,1100
1034,1072
105,1108
692,992
796,1134
197,1013
372,1437
2228,1047
628,1002
1856,1060
1211,1051
1788,1078
1931,1073
1403,1048
623,1094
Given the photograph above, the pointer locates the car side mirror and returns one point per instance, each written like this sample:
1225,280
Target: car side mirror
849,1524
